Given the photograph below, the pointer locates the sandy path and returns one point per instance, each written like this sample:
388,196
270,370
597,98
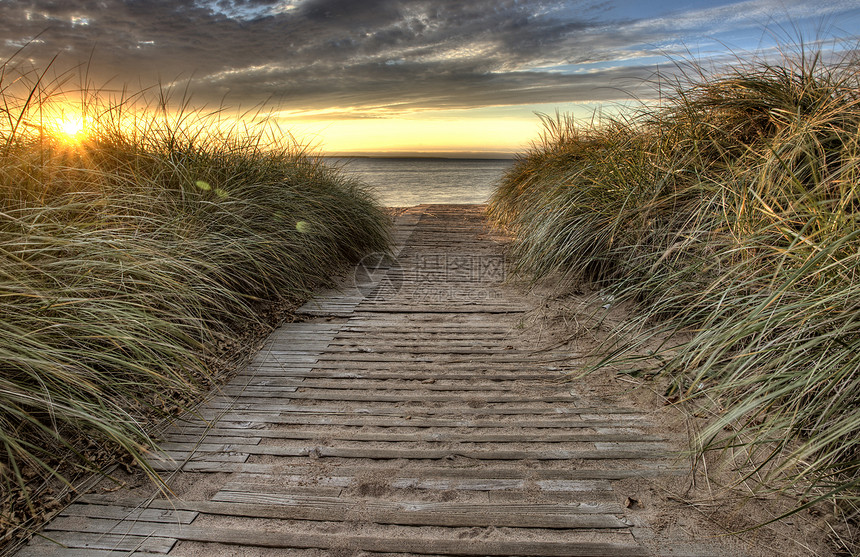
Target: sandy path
421,412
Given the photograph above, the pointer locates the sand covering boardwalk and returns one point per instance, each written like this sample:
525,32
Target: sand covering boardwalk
406,415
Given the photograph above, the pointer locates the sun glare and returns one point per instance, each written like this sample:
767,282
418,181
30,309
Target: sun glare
69,128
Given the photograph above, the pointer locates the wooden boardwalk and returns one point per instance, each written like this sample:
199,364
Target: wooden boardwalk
407,414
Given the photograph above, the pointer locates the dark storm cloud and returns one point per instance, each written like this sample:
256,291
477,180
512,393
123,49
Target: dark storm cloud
318,54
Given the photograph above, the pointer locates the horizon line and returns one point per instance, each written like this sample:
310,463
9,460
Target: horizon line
489,155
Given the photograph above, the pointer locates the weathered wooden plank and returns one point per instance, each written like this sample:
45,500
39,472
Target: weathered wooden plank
405,326
374,353
265,391
308,329
413,410
377,453
214,436
308,393
441,348
279,351
332,491
129,513
499,485
95,540
241,420
326,308
229,409
623,470
442,357
308,326
446,309
299,341
414,513
53,550
373,372
252,370
539,365
422,546
179,457
283,359
353,333
290,385
303,336
250,470
396,481
224,437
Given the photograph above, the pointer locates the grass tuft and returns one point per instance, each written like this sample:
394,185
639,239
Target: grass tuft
729,215
130,252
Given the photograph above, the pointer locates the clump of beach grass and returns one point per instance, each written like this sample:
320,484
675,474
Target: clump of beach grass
128,253
729,212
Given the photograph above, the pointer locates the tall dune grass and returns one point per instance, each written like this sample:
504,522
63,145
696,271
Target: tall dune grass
730,212
126,257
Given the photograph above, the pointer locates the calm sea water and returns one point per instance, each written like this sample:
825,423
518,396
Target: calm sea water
403,182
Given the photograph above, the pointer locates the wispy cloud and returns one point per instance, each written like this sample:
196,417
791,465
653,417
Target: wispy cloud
346,57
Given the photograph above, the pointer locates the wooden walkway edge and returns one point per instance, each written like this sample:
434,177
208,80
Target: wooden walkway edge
408,414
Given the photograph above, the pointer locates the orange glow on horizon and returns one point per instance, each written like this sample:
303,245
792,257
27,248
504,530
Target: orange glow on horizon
472,132
425,135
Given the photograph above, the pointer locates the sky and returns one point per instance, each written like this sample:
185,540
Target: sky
444,77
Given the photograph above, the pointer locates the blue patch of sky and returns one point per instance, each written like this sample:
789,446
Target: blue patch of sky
243,10
702,33
638,9
591,67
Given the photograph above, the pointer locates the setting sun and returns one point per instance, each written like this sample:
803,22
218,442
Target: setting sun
69,128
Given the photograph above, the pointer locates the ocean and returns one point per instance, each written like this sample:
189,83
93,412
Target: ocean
404,182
